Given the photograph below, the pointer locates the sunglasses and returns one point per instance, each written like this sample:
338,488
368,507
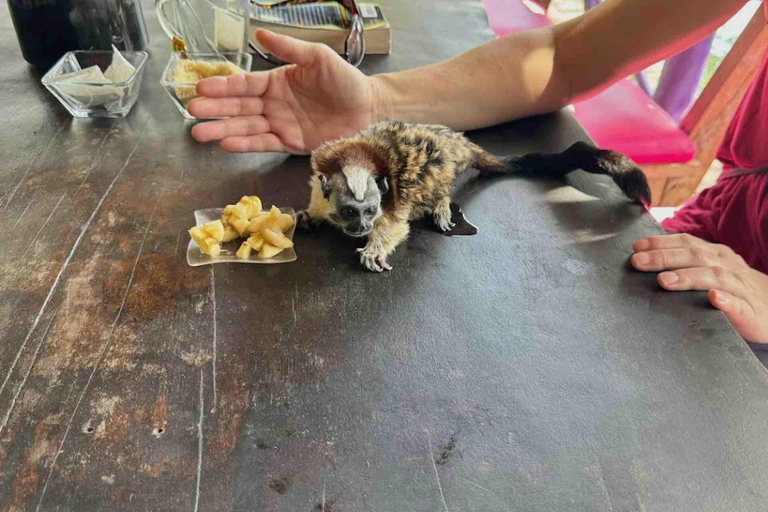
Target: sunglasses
354,45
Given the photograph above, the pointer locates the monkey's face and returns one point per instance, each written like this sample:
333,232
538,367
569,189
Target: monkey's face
354,200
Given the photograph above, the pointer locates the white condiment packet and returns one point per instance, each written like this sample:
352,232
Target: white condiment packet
120,69
89,95
91,75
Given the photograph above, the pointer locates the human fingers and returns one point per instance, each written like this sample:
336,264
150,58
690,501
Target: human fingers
233,127
243,84
671,259
287,48
208,108
266,142
667,242
702,278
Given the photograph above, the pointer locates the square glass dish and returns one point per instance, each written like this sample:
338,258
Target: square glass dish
196,258
101,98
182,92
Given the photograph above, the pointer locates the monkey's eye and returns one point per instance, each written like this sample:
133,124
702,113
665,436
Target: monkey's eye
370,212
348,212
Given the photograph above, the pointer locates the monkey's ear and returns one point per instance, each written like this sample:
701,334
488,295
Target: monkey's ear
324,186
383,184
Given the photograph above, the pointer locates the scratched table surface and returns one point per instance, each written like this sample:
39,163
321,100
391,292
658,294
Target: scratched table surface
524,368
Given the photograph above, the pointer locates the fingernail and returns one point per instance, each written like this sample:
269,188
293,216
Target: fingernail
641,259
642,244
719,297
668,278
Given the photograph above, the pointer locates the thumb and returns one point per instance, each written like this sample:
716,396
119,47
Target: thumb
287,48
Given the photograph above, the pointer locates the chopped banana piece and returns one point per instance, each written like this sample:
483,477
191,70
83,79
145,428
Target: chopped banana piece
234,211
276,238
214,229
244,252
284,222
230,233
207,244
198,235
269,251
256,241
274,217
241,225
252,205
257,222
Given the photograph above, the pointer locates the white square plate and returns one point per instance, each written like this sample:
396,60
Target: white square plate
196,258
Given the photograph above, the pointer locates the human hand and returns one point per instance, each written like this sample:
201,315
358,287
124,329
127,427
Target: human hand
689,263
292,108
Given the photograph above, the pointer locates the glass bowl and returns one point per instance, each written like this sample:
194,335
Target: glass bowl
90,99
183,92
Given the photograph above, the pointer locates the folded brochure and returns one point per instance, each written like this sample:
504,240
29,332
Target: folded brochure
325,15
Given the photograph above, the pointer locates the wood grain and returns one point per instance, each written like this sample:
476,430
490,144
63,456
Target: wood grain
522,368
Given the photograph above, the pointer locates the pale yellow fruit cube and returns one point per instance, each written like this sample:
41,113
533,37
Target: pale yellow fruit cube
241,225
207,244
252,205
244,252
255,241
226,215
257,222
273,218
276,238
284,222
230,233
214,229
234,211
246,202
214,250
269,251
198,235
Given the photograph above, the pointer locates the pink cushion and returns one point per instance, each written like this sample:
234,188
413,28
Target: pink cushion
625,119
622,117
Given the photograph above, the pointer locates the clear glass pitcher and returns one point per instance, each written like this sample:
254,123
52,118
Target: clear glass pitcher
206,26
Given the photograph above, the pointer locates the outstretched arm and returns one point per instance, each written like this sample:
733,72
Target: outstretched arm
320,97
538,71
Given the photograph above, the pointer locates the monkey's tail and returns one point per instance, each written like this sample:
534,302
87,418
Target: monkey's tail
581,155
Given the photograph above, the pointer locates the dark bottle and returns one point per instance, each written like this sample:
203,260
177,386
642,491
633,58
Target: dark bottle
47,29
43,29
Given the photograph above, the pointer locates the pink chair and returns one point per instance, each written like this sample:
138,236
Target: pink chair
623,117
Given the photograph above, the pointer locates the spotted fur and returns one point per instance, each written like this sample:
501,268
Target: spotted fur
419,164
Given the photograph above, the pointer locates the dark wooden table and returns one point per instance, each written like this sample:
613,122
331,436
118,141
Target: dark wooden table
525,368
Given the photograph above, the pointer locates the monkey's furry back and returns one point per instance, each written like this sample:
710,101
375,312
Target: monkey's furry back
422,162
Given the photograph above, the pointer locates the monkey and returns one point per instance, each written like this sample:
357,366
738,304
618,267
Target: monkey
373,183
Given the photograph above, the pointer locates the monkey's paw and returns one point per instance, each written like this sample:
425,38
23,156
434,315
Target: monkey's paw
306,222
373,260
443,220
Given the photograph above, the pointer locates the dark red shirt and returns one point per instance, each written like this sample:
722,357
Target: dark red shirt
734,211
